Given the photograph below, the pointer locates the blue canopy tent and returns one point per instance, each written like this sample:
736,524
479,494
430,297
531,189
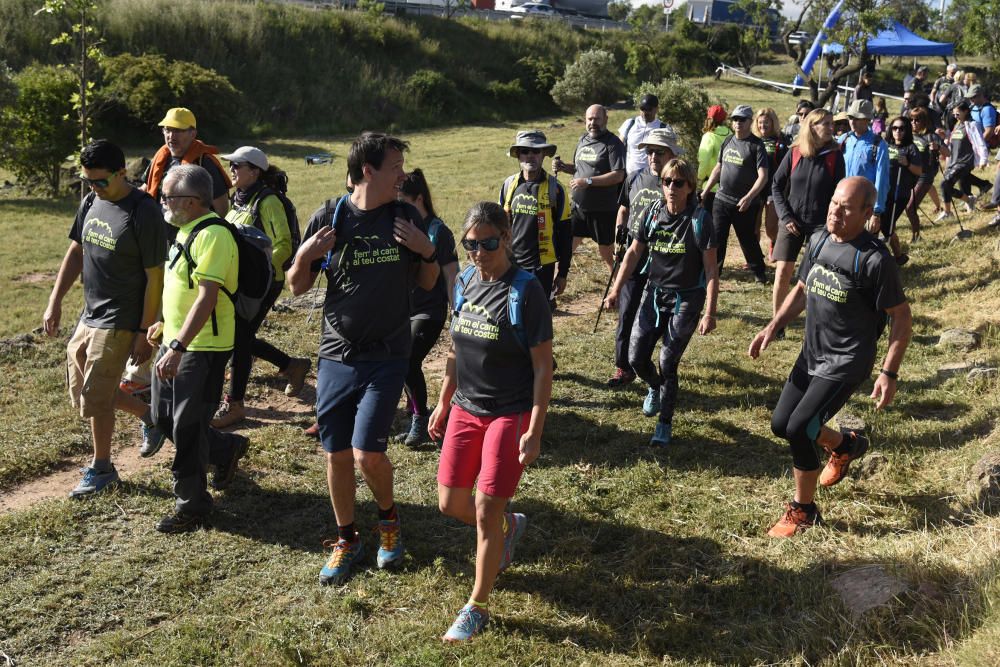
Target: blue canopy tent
899,41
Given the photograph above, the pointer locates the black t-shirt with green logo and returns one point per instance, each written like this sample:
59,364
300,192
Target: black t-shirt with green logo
676,244
524,218
962,153
906,178
433,304
740,160
845,307
642,190
116,254
366,313
596,157
495,375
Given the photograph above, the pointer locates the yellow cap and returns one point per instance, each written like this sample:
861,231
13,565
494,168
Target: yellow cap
179,118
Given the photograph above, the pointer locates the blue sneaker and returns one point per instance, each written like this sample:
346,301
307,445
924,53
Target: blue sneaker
93,482
469,623
152,440
390,550
651,405
516,525
661,436
338,568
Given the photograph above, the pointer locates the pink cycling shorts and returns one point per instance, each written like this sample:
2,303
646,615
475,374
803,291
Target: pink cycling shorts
485,448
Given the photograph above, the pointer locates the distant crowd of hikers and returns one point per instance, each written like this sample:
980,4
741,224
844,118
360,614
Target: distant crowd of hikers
180,272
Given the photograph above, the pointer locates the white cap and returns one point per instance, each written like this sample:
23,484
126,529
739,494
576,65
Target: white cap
254,156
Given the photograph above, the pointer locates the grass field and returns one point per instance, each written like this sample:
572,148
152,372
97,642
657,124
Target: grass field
632,557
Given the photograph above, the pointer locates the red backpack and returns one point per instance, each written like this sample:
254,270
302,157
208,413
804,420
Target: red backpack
829,159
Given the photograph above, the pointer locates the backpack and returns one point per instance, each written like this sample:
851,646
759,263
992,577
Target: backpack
256,274
829,160
290,214
859,260
331,216
88,203
515,299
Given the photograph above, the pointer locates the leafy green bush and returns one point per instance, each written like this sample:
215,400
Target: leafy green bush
507,93
137,90
38,130
432,91
592,79
682,105
537,74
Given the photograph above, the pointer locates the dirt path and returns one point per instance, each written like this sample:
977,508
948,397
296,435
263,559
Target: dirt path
268,406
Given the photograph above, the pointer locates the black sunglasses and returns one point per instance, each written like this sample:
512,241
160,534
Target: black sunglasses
490,244
97,182
673,182
898,127
529,151
656,151
169,197
236,165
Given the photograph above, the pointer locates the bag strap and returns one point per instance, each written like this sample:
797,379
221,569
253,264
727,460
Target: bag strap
460,283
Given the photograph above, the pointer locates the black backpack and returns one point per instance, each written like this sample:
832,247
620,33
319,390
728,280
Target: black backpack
280,191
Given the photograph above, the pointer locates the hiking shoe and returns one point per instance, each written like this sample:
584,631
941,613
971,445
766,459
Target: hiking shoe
230,412
134,388
988,206
651,404
795,520
836,467
296,374
661,436
417,434
761,278
942,216
780,335
93,481
180,522
152,440
469,623
516,525
390,550
968,207
224,474
995,222
345,555
312,431
902,259
621,378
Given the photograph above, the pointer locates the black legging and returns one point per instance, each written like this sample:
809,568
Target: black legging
424,334
246,346
965,179
628,305
806,403
725,215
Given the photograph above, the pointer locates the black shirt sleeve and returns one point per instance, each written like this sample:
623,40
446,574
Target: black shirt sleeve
446,246
316,220
537,315
76,229
150,232
219,186
778,186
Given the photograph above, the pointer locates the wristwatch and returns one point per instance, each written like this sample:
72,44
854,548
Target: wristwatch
590,181
177,346
430,260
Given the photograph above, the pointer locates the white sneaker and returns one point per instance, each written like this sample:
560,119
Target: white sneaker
942,216
968,208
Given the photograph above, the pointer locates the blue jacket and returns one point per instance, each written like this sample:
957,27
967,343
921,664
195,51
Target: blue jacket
861,158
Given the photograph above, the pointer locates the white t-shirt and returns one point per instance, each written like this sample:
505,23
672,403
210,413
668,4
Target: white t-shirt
637,130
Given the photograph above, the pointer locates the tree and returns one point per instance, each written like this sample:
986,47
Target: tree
682,106
976,25
452,7
755,35
618,10
591,79
81,37
37,131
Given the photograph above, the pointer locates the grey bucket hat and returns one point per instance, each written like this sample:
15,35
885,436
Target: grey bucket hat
532,139
860,109
661,136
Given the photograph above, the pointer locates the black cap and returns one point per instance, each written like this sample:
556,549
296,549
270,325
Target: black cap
649,102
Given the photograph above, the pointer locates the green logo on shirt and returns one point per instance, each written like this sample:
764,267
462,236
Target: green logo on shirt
99,233
667,243
486,330
524,204
586,154
825,283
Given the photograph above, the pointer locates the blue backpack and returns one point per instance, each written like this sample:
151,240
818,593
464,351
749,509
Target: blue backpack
331,216
515,299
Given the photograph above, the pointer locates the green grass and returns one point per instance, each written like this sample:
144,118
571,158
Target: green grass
633,557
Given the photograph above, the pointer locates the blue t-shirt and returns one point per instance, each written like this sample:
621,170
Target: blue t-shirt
984,116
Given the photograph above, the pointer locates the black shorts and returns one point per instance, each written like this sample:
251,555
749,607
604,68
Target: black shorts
587,224
788,245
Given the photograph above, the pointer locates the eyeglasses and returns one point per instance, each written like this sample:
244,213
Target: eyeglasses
490,244
169,197
673,182
529,151
656,151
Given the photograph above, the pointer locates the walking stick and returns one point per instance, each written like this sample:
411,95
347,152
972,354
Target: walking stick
619,254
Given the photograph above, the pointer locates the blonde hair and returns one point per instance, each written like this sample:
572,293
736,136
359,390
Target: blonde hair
807,141
770,113
683,169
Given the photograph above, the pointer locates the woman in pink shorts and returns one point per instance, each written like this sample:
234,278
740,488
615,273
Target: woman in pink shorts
496,386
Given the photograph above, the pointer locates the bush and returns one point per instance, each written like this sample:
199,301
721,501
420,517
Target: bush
592,79
682,105
137,90
38,131
432,91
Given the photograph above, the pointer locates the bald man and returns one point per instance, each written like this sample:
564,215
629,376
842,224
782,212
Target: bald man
598,170
849,287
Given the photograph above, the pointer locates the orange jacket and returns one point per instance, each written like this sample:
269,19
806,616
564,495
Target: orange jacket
195,155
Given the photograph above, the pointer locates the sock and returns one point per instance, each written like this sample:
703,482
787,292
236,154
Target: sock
845,445
102,465
809,508
347,532
505,527
387,515
147,418
481,605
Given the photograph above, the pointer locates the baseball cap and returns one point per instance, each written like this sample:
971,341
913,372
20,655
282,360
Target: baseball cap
179,118
251,154
649,102
664,137
860,109
742,111
716,113
973,90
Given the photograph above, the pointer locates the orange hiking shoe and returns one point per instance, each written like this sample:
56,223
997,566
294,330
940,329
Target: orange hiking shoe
795,520
836,467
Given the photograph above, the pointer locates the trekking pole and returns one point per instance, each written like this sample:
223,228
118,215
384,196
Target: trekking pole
607,288
963,233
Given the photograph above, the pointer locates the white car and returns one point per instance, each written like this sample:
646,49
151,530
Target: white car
537,9
799,37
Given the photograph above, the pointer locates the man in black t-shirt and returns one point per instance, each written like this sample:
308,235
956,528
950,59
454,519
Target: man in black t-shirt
373,251
598,170
118,244
849,287
742,172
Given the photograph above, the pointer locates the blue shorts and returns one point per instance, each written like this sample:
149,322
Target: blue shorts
356,401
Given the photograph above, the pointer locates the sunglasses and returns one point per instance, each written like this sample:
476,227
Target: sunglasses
97,182
235,165
490,244
740,119
529,151
656,151
898,127
673,182
169,197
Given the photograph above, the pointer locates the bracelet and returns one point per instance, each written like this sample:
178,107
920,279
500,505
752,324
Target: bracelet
892,374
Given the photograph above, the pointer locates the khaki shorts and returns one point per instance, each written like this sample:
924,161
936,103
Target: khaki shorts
95,360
